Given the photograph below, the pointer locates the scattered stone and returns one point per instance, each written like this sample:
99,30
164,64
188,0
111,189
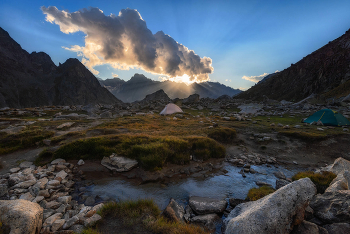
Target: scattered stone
81,162
202,205
58,161
261,183
92,220
209,220
173,211
119,164
25,164
308,228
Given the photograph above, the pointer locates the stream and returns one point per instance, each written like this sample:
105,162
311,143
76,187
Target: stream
231,184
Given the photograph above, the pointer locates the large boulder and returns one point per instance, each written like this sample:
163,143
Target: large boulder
341,182
332,207
308,228
339,165
21,216
119,164
276,213
337,228
174,211
203,205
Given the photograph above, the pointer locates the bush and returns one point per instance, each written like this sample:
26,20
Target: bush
223,135
257,193
321,180
44,157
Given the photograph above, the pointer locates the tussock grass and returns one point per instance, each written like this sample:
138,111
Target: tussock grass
25,139
321,180
304,135
144,215
257,193
223,135
152,152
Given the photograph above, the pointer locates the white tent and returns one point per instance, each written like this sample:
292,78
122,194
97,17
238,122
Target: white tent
170,109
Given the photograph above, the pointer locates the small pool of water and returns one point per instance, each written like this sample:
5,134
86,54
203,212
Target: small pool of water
232,184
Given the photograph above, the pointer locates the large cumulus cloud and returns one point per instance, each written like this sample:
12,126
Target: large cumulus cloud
125,42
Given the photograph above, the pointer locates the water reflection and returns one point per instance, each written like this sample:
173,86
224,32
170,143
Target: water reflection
232,184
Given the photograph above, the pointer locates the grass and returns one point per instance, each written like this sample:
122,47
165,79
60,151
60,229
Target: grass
222,134
140,215
257,193
321,180
25,139
152,152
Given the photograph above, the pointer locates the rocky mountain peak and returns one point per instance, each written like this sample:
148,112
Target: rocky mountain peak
160,95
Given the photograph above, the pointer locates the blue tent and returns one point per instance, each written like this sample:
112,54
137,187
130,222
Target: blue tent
328,117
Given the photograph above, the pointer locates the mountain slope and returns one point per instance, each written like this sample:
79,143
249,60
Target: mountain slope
139,86
320,72
28,80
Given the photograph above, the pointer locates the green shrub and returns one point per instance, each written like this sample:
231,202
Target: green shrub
321,180
44,157
257,193
223,135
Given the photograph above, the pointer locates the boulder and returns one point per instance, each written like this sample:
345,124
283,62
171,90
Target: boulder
275,213
174,211
332,207
21,216
308,228
119,164
339,165
280,183
341,182
209,220
280,175
203,205
337,228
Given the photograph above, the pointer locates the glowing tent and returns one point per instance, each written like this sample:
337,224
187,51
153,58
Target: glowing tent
171,108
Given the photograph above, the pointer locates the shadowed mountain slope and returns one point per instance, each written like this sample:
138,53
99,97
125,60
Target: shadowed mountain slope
325,71
28,80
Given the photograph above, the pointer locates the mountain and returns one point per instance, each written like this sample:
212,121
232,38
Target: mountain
28,80
139,86
324,72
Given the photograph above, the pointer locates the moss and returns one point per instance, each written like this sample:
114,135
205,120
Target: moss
321,180
257,193
44,157
223,135
305,136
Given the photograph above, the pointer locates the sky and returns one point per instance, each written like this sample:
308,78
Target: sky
235,43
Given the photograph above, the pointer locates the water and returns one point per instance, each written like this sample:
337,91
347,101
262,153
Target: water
232,184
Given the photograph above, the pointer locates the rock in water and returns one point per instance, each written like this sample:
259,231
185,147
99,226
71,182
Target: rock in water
21,216
275,213
209,220
202,205
119,164
174,211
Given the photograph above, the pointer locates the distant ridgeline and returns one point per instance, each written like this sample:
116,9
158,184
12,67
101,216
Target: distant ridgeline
325,72
28,80
139,86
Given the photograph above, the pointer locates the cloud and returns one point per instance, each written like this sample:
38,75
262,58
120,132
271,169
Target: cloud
243,89
255,79
125,42
114,75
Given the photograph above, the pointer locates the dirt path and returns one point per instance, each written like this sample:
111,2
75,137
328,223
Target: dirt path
12,160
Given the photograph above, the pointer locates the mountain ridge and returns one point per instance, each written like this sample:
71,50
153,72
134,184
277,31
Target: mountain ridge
322,72
139,86
28,80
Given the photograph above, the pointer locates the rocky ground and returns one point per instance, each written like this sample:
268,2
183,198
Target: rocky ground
267,133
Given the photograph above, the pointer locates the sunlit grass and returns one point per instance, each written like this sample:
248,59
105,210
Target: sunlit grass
321,180
257,193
